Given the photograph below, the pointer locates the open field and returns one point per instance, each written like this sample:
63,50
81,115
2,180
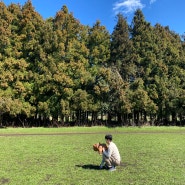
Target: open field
64,156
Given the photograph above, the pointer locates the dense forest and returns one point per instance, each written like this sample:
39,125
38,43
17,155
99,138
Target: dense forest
58,72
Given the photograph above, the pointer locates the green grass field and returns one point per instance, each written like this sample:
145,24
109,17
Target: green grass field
64,156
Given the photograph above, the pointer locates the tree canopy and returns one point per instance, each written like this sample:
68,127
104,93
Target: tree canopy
59,72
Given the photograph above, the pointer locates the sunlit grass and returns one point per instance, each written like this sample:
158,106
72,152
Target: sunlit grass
150,156
46,130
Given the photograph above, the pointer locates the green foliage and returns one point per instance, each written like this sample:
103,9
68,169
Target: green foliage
63,70
121,48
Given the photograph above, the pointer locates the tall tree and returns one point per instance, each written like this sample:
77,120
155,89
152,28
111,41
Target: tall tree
99,53
5,31
16,37
15,88
170,56
144,45
121,48
68,64
98,45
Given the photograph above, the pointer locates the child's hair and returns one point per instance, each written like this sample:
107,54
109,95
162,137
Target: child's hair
109,137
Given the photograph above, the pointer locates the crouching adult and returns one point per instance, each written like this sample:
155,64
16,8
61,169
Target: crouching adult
110,157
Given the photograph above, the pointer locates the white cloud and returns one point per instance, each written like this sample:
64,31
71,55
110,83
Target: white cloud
152,1
128,6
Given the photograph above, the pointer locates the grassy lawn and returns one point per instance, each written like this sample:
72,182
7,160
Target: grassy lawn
150,156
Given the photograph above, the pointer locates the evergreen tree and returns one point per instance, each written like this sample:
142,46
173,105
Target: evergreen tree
5,31
16,37
121,49
99,53
70,59
170,74
144,45
62,69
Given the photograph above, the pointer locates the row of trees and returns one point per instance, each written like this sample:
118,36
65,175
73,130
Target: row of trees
60,72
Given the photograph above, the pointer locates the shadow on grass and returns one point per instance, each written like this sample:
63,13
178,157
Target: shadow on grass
89,166
96,167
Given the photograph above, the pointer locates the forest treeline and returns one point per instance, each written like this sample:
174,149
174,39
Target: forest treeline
59,72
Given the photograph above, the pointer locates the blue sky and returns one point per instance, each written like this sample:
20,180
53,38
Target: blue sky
165,12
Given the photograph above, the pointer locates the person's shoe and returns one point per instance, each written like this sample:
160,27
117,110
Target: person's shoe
100,167
113,168
103,167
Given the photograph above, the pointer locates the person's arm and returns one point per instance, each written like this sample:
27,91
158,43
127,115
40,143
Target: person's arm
108,152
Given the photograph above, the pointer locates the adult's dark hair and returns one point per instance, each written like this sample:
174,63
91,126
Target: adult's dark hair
109,137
